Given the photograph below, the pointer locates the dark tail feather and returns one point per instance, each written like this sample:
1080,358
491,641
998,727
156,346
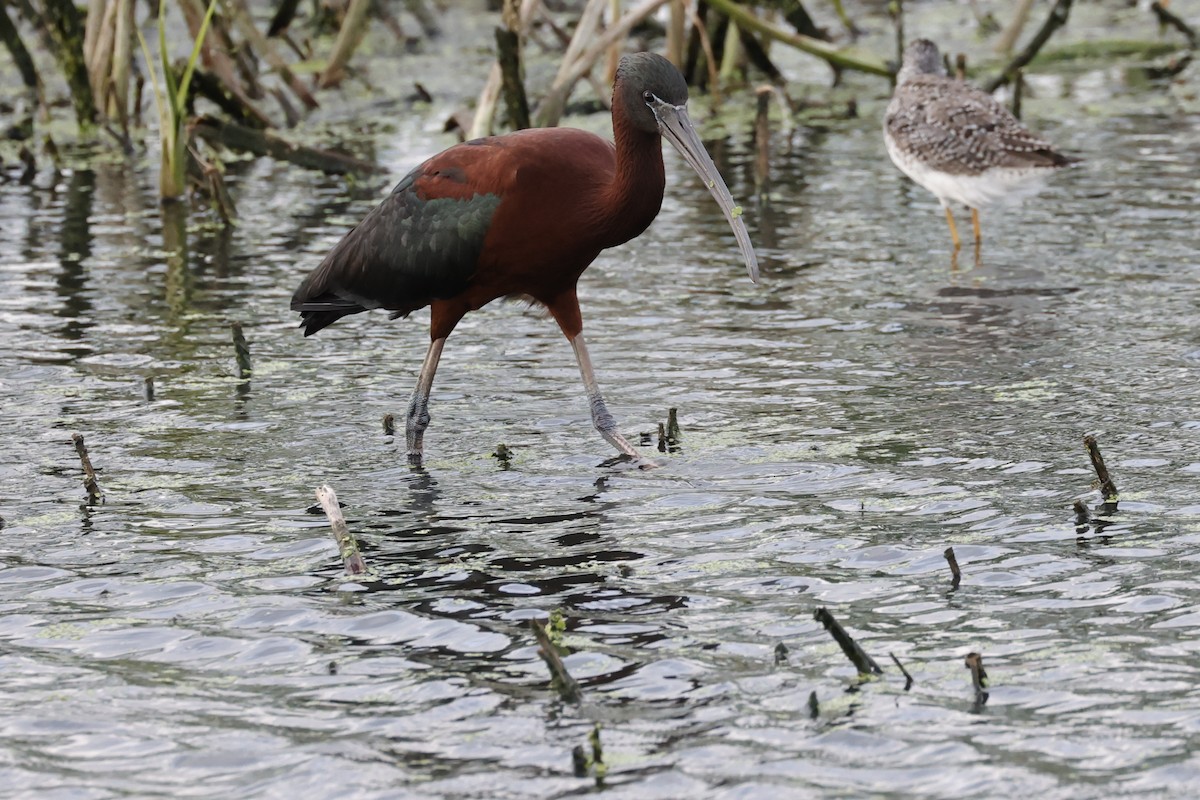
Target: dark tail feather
313,321
321,312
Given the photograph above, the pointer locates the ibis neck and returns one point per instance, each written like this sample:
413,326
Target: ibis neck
635,196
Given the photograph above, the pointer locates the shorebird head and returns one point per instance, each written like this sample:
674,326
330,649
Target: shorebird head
921,57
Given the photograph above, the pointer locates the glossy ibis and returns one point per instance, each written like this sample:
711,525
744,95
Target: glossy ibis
957,141
522,215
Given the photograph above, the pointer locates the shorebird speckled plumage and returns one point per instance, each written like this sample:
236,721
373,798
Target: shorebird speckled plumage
958,142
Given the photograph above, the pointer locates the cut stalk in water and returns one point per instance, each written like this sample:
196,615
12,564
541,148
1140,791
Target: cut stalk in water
389,425
979,678
858,657
1108,489
562,681
89,474
241,350
762,145
955,572
341,533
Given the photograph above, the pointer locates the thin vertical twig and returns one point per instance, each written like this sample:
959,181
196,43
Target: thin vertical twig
90,483
347,546
1108,489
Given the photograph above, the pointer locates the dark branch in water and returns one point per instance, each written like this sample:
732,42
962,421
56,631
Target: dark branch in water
954,570
264,143
283,17
908,679
20,54
1056,19
1166,18
1108,489
814,708
858,657
389,425
567,688
242,349
89,474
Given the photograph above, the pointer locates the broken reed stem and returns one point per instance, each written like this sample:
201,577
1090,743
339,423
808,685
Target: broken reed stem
508,55
389,425
341,534
89,474
954,570
662,438
979,678
908,679
814,708
673,431
1108,489
762,144
863,662
148,388
242,348
567,688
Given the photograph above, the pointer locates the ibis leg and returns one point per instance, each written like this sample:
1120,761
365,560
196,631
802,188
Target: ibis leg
601,418
418,406
953,227
975,224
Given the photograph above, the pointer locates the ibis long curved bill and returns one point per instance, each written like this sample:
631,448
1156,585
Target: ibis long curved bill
676,126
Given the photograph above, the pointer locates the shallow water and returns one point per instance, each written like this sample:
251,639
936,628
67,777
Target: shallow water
843,423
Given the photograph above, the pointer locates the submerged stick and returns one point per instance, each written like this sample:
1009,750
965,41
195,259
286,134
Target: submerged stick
346,544
148,388
662,438
673,431
863,662
567,687
954,570
979,678
908,679
1108,489
814,708
389,425
89,474
242,348
762,144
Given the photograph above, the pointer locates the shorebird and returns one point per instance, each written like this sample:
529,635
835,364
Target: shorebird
958,142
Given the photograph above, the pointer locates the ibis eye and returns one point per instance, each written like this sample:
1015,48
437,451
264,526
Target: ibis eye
648,96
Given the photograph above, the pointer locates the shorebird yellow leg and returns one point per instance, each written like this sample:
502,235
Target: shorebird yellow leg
975,224
953,229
